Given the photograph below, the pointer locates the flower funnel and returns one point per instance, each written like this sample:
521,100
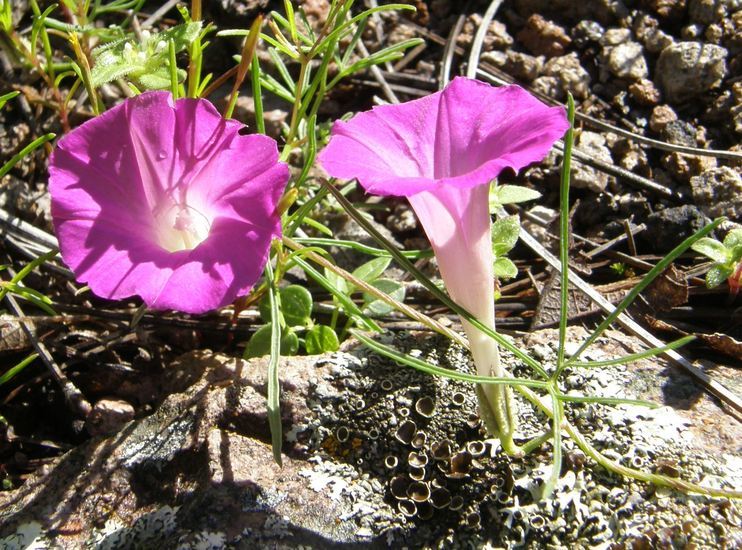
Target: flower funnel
168,201
442,152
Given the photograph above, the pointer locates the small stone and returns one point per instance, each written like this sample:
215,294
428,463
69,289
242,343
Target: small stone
713,34
401,32
688,69
108,416
626,61
521,66
662,115
614,37
680,132
647,31
668,9
543,37
684,167
497,37
644,92
706,12
691,32
587,31
570,76
587,177
669,227
718,192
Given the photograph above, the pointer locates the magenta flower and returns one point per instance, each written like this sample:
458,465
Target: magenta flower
168,201
442,152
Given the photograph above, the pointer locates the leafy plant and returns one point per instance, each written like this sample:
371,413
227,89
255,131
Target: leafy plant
145,61
727,258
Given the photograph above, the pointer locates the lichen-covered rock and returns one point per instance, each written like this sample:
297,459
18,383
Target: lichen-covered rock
688,69
377,455
718,192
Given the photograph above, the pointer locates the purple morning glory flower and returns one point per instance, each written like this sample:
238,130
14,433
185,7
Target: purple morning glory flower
168,201
442,152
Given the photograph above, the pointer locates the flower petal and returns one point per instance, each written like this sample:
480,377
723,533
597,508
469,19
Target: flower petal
143,172
463,136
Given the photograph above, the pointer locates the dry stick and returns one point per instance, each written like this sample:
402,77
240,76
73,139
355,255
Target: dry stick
157,15
448,52
73,396
377,74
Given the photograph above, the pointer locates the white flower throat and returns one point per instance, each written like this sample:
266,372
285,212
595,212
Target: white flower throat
182,227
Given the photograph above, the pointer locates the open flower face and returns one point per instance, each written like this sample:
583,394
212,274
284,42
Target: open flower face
168,201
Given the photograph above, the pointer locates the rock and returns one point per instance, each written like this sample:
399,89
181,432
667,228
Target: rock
401,32
669,227
199,472
667,9
647,31
587,177
684,167
718,192
585,32
521,66
706,12
691,32
645,93
662,115
736,110
497,37
626,60
543,37
679,132
568,75
108,416
713,34
687,69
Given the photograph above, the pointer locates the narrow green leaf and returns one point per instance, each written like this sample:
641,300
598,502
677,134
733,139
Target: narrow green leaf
510,194
415,363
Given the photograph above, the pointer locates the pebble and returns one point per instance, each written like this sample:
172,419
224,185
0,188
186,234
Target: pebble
521,66
626,60
543,37
645,93
587,177
718,192
688,69
662,115
669,227
647,31
706,12
569,76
